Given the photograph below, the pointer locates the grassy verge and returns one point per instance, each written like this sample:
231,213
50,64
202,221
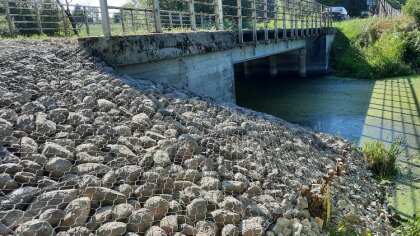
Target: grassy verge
376,48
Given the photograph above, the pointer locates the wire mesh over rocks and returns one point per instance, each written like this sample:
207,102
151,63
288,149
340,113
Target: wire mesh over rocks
88,152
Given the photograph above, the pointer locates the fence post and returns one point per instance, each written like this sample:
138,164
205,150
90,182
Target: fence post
64,23
9,19
180,20
86,20
146,21
219,14
254,21
156,10
38,18
171,24
240,26
133,25
122,20
105,18
192,15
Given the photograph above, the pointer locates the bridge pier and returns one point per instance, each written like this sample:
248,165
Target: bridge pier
273,66
302,62
247,69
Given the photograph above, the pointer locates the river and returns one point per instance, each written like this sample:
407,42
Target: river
355,109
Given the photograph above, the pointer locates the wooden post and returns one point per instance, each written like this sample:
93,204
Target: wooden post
284,19
171,24
192,15
38,18
276,22
265,20
9,19
86,21
106,27
254,21
240,19
156,10
218,11
122,20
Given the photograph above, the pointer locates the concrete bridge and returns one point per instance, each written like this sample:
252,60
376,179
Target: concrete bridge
294,36
204,62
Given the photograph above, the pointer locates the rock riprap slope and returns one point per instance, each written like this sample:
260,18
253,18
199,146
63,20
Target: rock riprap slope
85,153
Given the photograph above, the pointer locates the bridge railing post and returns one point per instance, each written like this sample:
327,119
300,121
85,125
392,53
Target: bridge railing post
218,11
284,19
9,19
276,22
192,15
254,21
106,27
265,14
158,20
240,19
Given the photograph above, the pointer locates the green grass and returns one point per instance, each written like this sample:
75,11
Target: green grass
383,160
412,228
376,48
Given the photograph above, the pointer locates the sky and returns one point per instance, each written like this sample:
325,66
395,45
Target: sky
115,3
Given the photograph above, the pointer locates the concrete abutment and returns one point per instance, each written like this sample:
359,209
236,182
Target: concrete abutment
203,62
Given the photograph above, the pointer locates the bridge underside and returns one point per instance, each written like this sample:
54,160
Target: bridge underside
203,62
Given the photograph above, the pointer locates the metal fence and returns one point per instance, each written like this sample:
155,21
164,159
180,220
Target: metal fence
385,10
256,19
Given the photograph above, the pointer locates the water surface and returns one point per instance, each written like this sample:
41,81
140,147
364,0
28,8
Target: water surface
356,109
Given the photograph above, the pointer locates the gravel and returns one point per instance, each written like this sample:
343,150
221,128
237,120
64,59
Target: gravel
87,151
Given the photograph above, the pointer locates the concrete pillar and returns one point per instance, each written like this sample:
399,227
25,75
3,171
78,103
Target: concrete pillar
302,62
273,66
247,69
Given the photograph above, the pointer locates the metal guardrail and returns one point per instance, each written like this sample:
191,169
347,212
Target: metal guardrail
261,19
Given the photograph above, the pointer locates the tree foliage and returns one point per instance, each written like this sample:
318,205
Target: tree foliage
412,8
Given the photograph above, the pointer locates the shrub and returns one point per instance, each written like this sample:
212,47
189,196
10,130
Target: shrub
383,160
376,48
412,8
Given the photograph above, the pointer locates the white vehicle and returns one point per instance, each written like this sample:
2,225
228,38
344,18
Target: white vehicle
338,13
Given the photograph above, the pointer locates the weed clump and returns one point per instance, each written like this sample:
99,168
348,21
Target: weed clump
412,228
382,160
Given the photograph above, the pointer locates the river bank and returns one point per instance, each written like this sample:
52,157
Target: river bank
87,150
376,48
